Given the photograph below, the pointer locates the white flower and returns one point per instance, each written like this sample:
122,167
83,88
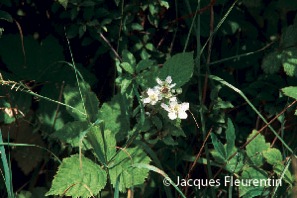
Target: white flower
176,110
165,86
153,96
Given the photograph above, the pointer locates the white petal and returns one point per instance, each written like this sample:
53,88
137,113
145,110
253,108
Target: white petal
168,79
150,91
184,106
172,85
160,82
172,115
182,115
165,107
173,99
157,88
146,100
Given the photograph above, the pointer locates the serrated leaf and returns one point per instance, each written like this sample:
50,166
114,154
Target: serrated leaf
236,163
78,181
64,3
279,169
180,67
230,136
218,146
289,36
121,168
128,57
289,60
249,190
164,4
89,104
272,63
71,132
127,67
273,156
115,116
255,148
103,143
157,122
143,64
290,91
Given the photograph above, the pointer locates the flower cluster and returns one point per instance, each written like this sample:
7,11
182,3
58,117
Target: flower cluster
164,93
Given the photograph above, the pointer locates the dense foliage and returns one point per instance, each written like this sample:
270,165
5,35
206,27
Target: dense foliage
154,98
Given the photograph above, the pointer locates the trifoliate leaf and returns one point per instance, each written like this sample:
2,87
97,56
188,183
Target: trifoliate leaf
272,63
122,171
255,148
180,67
88,104
78,177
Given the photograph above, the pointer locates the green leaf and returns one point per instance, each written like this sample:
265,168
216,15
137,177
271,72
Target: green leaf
121,168
136,26
52,116
230,136
74,180
144,64
89,104
290,91
180,67
71,132
116,117
289,60
64,3
249,190
128,68
164,4
236,163
37,62
279,169
289,36
273,156
255,148
218,146
6,16
272,63
128,57
157,122
103,143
